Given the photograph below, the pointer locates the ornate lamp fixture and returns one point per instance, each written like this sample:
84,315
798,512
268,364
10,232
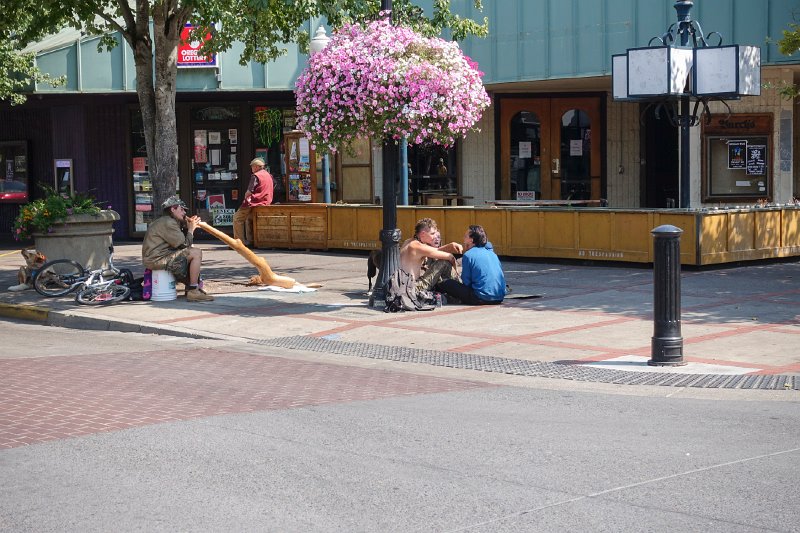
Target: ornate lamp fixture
682,67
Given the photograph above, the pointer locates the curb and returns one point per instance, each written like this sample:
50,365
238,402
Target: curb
68,320
65,319
31,313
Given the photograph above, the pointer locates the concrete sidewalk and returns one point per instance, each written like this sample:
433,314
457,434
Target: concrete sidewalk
741,325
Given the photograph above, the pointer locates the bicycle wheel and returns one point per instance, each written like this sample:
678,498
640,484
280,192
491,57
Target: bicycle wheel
59,277
126,275
106,295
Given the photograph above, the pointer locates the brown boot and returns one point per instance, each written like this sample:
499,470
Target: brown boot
194,295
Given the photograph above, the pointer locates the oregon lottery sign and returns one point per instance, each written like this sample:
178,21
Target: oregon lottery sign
189,51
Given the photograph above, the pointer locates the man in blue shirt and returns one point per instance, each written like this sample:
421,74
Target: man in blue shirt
482,279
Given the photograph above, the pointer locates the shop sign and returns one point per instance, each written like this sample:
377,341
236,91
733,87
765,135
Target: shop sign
189,51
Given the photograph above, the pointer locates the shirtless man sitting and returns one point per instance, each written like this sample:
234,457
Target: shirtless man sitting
422,257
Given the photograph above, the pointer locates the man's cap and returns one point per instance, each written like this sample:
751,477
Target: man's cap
257,162
172,201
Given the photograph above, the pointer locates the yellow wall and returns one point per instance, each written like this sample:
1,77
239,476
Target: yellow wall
709,237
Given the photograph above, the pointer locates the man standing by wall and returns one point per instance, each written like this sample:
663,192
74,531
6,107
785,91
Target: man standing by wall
259,192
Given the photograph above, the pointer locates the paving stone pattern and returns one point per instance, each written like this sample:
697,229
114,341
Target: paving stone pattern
50,398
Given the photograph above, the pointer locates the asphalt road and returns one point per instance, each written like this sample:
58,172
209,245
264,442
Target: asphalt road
130,432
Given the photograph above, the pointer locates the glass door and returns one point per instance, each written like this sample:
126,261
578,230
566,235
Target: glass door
575,166
216,165
547,151
524,146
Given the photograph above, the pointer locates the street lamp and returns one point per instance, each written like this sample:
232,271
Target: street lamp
318,44
679,71
389,235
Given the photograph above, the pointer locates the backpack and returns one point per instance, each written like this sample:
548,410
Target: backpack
137,290
402,294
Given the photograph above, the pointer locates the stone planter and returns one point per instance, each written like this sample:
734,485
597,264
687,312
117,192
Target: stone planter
82,238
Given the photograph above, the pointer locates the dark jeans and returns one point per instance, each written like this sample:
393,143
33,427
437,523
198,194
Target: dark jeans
465,294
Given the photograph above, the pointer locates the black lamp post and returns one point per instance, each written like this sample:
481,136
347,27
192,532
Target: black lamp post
683,68
389,235
318,44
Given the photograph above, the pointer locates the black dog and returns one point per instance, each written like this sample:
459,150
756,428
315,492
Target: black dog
373,265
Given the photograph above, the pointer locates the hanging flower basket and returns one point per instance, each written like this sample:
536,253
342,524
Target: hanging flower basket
388,82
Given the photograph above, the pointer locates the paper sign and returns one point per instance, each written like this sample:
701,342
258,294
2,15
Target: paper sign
139,164
576,148
214,137
216,155
756,159
736,154
525,150
222,217
304,153
233,136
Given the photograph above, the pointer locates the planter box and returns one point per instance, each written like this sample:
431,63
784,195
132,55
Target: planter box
82,238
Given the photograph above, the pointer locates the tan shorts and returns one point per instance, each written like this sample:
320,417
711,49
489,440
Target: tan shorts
178,265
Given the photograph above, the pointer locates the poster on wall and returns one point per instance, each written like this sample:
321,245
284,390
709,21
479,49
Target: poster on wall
756,159
200,146
304,150
736,155
139,164
294,187
214,137
233,137
216,201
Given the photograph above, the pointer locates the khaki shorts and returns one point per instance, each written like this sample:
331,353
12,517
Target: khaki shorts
178,265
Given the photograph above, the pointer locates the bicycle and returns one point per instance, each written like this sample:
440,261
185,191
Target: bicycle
95,287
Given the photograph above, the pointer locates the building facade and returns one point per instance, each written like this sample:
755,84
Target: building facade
553,130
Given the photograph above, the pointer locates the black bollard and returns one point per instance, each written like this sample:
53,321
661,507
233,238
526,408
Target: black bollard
667,344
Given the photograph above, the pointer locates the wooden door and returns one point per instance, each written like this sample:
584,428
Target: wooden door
524,133
550,148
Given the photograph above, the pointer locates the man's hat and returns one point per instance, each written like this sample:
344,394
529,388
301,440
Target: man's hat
171,202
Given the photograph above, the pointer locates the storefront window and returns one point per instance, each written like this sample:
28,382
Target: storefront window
736,149
432,170
143,208
14,169
269,125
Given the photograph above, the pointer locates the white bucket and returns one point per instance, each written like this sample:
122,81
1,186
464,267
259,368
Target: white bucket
163,286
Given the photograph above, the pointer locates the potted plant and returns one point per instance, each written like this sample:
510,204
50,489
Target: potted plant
67,227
